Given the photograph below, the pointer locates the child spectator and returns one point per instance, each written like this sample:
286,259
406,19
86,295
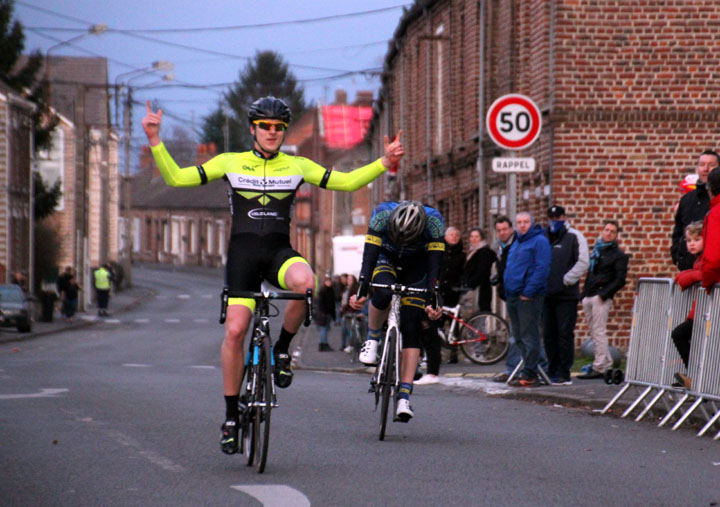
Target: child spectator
682,334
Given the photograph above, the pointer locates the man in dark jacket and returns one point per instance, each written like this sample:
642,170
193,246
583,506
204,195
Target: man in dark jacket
325,313
569,263
693,207
606,276
450,278
525,279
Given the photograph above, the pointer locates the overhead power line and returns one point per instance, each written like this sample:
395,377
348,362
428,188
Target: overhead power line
318,19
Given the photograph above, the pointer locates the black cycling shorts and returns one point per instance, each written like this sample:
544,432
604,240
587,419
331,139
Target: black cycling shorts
253,258
411,272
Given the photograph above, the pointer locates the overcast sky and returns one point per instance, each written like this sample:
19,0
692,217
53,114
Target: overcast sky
317,51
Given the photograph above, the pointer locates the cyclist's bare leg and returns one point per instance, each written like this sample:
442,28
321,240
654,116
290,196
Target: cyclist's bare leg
232,352
298,278
376,316
408,364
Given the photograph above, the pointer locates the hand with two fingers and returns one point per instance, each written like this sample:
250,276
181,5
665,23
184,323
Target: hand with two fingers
151,124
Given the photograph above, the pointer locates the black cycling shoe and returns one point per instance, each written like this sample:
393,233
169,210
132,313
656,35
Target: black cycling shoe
283,370
229,437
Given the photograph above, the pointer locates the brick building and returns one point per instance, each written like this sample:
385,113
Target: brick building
330,135
629,97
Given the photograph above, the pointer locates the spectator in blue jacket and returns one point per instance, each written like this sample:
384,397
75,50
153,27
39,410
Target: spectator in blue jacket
525,279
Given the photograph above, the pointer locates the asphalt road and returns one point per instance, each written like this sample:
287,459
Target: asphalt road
127,412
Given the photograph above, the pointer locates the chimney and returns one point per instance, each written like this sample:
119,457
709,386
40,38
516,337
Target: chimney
340,97
363,98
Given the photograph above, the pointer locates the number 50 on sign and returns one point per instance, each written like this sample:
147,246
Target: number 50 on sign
513,122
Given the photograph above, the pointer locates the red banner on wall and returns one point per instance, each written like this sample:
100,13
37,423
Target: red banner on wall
345,126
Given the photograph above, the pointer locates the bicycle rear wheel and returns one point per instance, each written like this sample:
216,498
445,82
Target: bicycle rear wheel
496,332
387,380
264,408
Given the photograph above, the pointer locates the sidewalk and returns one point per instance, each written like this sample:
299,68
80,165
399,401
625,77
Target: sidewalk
119,302
591,394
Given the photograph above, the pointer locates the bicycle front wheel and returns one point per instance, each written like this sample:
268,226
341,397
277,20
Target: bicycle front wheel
488,338
264,408
387,379
248,418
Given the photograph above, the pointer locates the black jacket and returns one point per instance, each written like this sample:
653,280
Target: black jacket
451,272
608,275
570,261
325,306
477,274
501,263
692,208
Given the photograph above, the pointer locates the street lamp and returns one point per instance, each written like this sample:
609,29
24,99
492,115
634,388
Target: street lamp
127,127
96,29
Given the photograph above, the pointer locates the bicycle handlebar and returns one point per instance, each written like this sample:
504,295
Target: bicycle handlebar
398,288
267,295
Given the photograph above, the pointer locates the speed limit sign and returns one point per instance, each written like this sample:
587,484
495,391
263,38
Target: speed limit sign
513,122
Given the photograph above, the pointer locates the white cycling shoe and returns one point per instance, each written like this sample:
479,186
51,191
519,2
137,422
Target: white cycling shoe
404,411
368,352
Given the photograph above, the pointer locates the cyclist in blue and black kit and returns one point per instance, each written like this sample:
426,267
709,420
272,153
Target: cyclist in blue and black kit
261,185
404,244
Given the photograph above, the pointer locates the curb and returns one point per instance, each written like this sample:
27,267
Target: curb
80,324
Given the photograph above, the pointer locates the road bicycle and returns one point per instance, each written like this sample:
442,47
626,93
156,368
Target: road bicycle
484,338
385,382
355,325
259,398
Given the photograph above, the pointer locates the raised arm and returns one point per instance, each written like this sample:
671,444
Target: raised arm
349,182
173,175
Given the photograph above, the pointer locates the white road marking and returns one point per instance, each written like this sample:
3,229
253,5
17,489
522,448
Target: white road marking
44,393
202,366
112,321
90,318
142,321
172,321
183,296
151,456
136,365
275,495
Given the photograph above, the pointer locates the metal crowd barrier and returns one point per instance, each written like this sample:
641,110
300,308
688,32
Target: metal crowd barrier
653,359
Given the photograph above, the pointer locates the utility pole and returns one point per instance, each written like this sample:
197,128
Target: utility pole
127,245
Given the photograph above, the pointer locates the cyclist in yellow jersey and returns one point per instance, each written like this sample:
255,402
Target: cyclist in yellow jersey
261,185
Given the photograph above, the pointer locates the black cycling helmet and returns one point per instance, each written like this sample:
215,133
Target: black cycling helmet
269,108
406,222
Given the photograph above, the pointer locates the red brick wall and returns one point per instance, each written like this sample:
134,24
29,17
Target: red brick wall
629,93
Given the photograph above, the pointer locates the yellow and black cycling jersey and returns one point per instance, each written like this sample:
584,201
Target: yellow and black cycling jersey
262,191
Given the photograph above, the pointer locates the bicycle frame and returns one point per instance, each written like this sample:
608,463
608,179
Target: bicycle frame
451,339
393,323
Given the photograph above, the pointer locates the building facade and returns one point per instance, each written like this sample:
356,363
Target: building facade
15,184
628,94
179,226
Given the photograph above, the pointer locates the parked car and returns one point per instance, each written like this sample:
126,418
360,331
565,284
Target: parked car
15,308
